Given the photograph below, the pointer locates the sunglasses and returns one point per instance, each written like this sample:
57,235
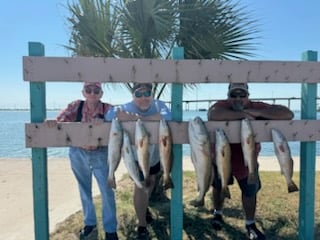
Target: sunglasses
139,94
241,95
96,91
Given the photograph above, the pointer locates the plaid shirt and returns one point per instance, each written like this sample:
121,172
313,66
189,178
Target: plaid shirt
70,113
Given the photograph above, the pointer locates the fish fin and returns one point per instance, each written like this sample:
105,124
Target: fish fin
147,181
197,202
168,183
292,187
112,183
226,192
222,152
140,143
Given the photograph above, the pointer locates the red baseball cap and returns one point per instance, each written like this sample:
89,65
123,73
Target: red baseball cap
94,84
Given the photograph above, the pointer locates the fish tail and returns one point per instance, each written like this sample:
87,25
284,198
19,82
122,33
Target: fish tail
168,183
139,184
252,178
112,183
147,181
226,192
197,202
292,187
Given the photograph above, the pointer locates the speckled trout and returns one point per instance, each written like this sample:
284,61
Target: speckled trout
283,154
142,147
129,160
114,150
201,157
165,151
249,150
223,160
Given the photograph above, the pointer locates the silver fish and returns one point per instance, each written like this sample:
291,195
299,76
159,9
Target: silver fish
142,147
165,150
129,160
201,157
223,160
283,154
249,150
114,150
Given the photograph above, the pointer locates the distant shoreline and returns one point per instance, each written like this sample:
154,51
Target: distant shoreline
59,109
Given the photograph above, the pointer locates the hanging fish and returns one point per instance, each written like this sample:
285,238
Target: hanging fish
165,150
201,157
249,151
283,154
223,160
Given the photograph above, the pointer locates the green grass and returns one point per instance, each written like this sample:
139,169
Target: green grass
277,212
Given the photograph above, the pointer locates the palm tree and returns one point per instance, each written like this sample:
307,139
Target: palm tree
207,29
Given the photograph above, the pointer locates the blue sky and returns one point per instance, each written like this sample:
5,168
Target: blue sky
287,28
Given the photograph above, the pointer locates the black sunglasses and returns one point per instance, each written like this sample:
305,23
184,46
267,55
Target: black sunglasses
96,91
139,94
241,95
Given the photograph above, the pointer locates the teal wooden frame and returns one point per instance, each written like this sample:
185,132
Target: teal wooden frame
39,157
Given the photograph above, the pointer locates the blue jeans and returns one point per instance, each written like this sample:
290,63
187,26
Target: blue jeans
85,163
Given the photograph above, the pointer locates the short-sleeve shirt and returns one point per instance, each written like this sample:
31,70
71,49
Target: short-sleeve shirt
70,113
239,170
157,106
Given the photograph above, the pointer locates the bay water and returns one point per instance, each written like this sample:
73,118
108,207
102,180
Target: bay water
12,135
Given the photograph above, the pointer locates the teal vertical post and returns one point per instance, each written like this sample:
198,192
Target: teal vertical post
307,158
176,213
39,155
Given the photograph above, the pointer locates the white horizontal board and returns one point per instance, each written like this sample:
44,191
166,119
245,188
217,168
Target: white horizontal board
82,134
97,69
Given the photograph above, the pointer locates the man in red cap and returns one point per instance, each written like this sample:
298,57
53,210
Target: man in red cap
91,160
236,107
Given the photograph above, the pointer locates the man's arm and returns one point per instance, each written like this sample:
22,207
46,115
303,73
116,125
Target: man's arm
216,113
273,112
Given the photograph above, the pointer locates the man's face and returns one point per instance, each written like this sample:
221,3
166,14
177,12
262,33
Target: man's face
143,98
92,93
239,99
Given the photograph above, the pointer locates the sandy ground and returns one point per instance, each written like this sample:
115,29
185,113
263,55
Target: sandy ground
16,222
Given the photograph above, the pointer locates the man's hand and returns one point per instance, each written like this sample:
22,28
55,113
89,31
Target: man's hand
253,113
126,116
154,117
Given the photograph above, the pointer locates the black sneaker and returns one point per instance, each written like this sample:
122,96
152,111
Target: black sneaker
217,221
254,233
111,236
89,233
149,217
143,233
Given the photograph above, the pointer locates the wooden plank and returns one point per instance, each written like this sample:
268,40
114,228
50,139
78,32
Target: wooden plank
80,134
171,71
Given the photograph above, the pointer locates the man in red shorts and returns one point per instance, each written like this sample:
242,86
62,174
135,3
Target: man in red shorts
236,107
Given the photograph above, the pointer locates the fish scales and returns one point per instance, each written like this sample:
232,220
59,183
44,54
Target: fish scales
284,157
142,147
114,150
129,160
201,157
249,150
165,150
223,160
